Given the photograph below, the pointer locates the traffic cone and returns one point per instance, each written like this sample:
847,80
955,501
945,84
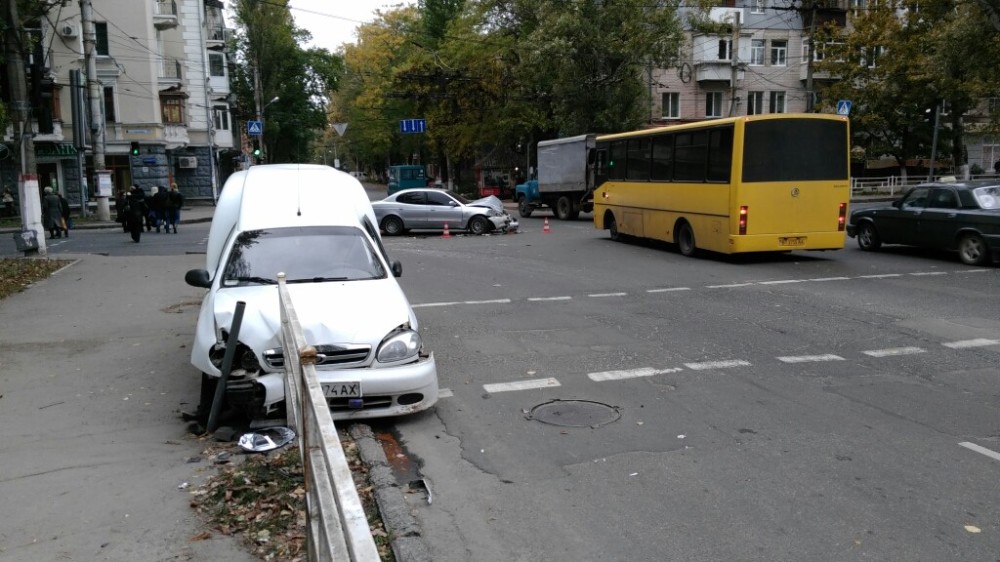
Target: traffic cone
446,233
545,228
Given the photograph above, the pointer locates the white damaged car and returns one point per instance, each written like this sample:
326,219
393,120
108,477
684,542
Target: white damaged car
315,225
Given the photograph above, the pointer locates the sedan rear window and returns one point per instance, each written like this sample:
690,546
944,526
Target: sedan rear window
303,254
988,197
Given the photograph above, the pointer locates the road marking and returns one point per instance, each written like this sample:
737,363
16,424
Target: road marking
540,299
924,273
630,374
668,290
965,344
810,358
880,276
600,295
894,351
829,279
445,393
730,286
717,364
970,271
521,385
781,282
432,304
494,301
982,450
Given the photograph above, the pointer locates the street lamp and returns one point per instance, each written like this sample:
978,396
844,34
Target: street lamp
260,117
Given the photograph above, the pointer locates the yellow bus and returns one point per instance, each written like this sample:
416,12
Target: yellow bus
759,183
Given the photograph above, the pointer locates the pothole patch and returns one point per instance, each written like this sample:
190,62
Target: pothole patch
575,413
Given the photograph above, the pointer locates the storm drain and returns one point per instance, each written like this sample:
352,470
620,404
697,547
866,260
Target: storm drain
575,413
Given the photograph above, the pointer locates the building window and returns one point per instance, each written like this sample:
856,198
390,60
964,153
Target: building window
869,56
777,102
101,46
671,105
220,115
757,6
857,6
725,49
757,52
994,105
216,65
779,52
172,109
110,112
713,104
755,103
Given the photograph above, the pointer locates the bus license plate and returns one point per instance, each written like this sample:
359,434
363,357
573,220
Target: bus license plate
342,390
792,241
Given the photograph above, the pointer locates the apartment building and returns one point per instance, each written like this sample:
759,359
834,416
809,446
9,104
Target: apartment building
163,75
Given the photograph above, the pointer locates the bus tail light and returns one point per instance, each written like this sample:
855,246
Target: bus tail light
842,217
743,219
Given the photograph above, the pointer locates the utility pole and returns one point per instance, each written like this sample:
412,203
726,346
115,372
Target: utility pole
27,182
103,176
934,140
810,96
734,56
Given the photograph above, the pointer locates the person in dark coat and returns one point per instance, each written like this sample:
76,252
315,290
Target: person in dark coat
136,211
52,213
121,201
159,206
175,200
64,219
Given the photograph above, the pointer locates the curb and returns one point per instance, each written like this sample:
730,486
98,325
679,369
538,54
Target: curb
101,225
404,532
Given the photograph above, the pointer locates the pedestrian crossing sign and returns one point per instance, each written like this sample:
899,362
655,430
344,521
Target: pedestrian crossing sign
254,128
844,107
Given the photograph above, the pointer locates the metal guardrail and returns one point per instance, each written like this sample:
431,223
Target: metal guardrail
897,185
336,526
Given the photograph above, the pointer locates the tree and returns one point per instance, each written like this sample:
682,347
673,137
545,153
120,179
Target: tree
271,64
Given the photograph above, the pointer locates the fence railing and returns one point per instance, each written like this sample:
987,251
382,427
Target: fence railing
336,526
896,185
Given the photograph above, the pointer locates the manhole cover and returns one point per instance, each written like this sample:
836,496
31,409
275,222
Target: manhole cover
575,413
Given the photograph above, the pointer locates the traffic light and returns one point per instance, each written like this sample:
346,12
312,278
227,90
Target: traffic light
256,153
135,149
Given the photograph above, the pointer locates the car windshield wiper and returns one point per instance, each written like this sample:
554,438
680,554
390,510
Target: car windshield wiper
318,279
255,279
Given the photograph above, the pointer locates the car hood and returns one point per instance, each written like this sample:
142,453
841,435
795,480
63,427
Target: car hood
491,202
360,312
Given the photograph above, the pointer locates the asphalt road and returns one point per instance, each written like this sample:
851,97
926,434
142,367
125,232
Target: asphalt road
808,406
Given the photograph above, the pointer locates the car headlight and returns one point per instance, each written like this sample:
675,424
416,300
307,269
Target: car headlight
398,346
495,213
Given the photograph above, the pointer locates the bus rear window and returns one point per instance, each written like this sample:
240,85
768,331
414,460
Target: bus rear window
795,150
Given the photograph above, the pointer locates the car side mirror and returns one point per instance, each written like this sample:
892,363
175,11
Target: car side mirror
397,268
453,203
198,278
897,203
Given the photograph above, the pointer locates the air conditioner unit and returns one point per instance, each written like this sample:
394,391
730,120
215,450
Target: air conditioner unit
69,30
187,161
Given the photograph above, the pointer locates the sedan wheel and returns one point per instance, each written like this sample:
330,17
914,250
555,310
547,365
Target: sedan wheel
479,225
393,226
972,250
868,239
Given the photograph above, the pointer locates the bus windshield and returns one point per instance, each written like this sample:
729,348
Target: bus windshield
773,150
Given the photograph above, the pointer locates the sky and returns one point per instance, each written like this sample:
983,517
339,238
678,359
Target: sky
333,22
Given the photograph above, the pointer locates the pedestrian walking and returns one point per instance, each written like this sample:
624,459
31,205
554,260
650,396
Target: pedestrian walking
64,219
996,167
8,203
159,206
121,202
175,200
150,214
136,211
51,213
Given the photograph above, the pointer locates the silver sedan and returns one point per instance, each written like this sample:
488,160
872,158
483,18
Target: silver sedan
432,209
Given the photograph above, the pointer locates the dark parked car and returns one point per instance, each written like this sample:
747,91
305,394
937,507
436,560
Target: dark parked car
962,216
432,209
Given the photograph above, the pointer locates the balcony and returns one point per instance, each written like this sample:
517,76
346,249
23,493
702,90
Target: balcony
715,71
176,136
165,14
170,71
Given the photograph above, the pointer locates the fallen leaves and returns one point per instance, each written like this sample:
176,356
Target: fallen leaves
17,274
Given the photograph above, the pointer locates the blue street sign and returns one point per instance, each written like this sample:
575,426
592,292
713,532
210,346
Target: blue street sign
409,126
254,128
844,107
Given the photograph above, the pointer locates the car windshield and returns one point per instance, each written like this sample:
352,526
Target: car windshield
988,197
304,254
458,197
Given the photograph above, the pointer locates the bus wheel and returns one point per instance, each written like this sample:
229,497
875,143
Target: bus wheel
523,207
685,240
868,239
564,208
612,228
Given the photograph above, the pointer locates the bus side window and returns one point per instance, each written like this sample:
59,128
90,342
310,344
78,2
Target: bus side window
663,158
720,154
691,156
616,162
638,159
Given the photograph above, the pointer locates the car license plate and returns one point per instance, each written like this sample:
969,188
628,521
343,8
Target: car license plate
792,241
342,389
